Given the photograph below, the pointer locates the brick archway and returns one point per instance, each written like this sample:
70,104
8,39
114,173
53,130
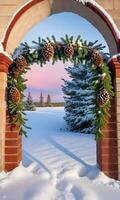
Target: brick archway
108,148
37,10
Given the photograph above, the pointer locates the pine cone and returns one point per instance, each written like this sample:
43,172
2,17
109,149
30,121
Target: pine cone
14,95
13,69
21,63
69,51
103,98
15,72
48,51
97,59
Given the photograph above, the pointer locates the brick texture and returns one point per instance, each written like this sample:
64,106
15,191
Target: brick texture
107,148
13,145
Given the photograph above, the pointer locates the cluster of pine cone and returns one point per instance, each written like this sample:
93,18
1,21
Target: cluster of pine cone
18,66
48,51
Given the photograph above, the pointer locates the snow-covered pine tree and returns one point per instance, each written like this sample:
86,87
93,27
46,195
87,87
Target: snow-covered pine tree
29,105
79,96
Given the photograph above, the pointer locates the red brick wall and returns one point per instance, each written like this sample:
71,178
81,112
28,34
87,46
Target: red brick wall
107,148
13,145
107,156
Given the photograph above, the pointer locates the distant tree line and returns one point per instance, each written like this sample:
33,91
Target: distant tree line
41,102
30,104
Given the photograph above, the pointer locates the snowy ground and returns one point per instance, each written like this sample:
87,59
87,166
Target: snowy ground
57,165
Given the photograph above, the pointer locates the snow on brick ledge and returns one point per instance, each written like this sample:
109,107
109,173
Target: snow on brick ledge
3,52
113,57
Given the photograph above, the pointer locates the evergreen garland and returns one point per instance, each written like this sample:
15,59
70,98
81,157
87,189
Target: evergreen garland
68,49
16,109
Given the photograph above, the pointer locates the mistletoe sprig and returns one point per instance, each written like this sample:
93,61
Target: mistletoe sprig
67,49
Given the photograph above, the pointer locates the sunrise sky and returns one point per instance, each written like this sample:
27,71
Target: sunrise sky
48,79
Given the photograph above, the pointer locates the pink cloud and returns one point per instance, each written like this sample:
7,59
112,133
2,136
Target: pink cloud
47,80
47,77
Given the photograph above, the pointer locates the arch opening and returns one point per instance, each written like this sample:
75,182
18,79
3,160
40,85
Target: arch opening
12,86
